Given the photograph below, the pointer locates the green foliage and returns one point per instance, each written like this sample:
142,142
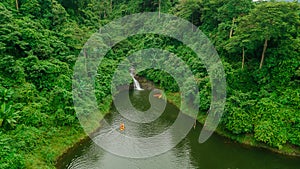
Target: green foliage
272,21
240,116
190,10
294,131
8,117
40,41
12,159
12,69
273,135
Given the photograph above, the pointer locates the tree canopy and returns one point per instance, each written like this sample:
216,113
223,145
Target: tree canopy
258,43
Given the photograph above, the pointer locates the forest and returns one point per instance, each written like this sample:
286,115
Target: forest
40,40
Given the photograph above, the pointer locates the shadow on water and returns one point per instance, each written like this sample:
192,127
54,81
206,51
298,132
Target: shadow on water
216,153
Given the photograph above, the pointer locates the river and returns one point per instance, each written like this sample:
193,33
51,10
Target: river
216,153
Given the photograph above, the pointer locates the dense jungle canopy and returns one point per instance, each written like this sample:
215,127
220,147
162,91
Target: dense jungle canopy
258,43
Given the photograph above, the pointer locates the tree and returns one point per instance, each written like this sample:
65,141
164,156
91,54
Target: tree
190,10
233,9
270,21
209,16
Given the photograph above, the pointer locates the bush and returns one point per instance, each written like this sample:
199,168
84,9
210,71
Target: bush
11,158
271,134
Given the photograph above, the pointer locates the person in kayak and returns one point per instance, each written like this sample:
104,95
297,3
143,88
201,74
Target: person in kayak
122,126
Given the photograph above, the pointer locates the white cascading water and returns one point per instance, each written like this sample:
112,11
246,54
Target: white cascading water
136,83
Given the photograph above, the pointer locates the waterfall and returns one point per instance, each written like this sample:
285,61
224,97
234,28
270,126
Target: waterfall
136,83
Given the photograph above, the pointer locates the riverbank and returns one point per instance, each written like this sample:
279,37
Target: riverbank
60,140
45,156
247,139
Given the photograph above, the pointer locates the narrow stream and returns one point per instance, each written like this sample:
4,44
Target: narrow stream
216,153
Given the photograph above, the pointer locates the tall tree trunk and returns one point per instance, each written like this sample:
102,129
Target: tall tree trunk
17,5
243,61
159,8
231,29
111,5
263,53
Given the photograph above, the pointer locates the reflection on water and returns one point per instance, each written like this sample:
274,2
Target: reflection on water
96,158
216,153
